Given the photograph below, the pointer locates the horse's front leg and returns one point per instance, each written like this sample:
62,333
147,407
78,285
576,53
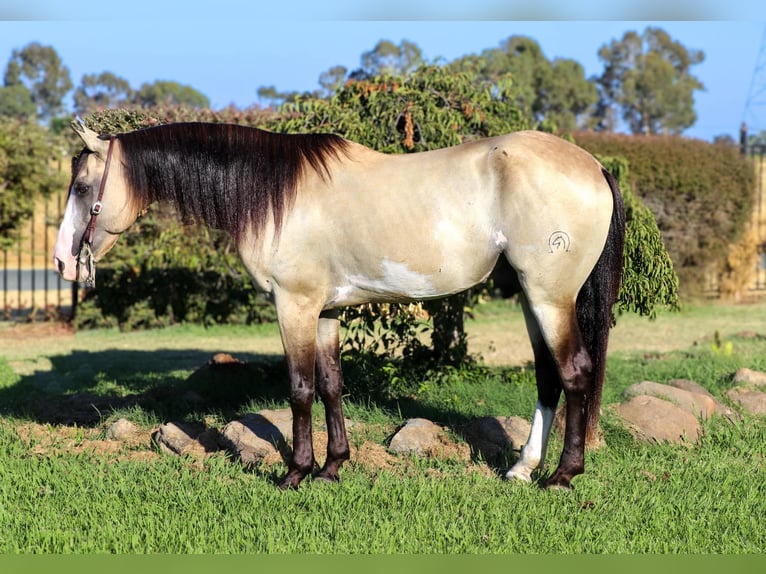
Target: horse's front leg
298,327
330,387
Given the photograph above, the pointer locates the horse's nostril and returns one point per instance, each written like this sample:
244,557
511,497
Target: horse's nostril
60,265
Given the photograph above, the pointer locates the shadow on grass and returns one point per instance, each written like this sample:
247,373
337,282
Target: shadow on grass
84,388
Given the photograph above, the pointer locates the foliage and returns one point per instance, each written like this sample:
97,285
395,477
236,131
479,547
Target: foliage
648,78
389,59
648,278
102,91
555,93
701,195
39,69
25,174
16,102
167,93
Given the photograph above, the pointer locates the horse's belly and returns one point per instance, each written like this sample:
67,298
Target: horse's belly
397,281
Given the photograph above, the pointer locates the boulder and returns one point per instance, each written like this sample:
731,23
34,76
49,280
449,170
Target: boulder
122,430
185,438
697,404
750,377
257,435
720,408
489,437
653,419
751,401
420,437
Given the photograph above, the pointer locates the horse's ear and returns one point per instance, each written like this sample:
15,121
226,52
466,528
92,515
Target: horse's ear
90,138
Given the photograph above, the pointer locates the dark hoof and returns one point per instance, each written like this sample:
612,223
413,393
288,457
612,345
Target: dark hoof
558,483
330,477
291,481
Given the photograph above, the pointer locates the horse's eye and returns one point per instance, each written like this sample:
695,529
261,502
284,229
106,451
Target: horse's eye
81,188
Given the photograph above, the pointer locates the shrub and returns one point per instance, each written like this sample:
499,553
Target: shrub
701,195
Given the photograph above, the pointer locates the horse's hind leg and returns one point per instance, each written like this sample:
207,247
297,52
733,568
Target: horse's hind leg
330,388
566,365
548,393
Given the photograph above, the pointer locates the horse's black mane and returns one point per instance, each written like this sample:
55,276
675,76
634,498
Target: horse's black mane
226,176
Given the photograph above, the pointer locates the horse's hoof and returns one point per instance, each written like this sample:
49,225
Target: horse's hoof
327,477
291,481
520,474
558,483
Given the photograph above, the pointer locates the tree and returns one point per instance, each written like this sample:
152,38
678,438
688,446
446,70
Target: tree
167,93
16,102
647,79
25,154
101,91
332,79
389,59
551,93
39,69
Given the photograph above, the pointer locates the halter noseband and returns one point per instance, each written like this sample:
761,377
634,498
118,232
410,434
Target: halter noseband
85,255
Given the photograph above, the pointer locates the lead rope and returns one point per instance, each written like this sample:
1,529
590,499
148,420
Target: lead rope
85,255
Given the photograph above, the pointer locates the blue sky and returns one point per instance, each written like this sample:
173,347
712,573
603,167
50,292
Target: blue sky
228,54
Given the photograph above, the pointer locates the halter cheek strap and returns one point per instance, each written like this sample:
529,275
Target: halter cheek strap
85,256
96,208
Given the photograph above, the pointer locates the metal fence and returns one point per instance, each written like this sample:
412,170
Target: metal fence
31,288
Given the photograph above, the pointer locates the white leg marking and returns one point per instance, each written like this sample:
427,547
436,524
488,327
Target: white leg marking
533,453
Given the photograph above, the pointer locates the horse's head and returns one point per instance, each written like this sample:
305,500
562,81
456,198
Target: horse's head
98,209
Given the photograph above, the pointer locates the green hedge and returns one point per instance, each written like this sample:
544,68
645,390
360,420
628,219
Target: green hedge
701,195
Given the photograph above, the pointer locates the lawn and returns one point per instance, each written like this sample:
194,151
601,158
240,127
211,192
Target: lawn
59,495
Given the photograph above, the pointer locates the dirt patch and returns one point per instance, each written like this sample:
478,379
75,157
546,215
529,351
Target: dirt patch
48,440
45,440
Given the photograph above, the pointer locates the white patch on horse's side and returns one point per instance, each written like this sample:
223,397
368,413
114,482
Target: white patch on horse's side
533,453
397,279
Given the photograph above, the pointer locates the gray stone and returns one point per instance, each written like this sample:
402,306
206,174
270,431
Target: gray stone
750,378
653,419
122,430
697,404
417,436
257,435
491,436
751,401
720,408
178,438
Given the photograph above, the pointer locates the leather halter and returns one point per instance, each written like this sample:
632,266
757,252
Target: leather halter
85,255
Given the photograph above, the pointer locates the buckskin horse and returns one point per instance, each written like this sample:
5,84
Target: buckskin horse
321,222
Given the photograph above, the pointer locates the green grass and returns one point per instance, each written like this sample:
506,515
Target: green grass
634,498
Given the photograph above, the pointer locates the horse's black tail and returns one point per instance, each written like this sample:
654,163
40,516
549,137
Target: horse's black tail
595,302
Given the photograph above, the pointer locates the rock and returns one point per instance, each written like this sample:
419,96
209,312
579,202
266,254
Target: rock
122,430
257,435
720,408
491,436
224,359
417,436
750,377
656,420
751,401
180,438
697,404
